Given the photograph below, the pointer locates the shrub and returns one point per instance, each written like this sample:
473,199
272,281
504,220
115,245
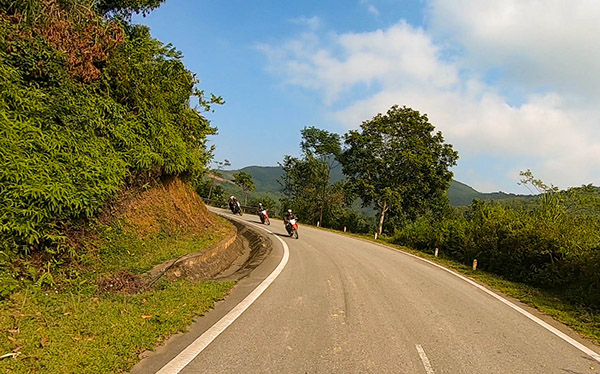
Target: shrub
553,246
80,120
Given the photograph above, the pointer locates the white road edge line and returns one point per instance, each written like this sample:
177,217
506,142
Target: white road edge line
425,360
187,355
535,319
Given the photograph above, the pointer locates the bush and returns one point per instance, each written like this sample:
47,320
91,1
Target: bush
555,247
79,121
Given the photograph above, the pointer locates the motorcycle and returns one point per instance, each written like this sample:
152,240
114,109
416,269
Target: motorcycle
236,208
264,216
292,228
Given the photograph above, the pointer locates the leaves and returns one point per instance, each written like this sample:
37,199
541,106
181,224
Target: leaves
244,181
522,242
307,183
87,106
397,162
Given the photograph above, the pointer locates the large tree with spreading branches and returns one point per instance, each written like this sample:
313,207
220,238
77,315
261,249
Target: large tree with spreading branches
397,162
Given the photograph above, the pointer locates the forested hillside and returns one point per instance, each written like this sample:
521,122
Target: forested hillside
266,177
99,147
90,104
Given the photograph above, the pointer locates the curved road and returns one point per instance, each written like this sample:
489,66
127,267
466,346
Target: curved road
342,305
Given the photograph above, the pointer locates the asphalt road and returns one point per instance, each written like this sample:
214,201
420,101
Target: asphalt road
343,305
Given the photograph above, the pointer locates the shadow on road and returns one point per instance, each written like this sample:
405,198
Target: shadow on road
282,235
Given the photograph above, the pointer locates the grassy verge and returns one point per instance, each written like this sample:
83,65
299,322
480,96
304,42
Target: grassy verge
65,325
74,333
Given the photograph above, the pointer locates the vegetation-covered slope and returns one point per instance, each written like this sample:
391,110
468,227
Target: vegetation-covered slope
266,177
88,106
98,143
461,194
97,313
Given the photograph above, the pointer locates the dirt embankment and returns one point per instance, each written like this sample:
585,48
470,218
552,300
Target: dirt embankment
171,206
168,209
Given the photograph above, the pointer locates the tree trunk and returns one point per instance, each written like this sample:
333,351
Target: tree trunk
321,209
210,191
384,209
245,197
323,194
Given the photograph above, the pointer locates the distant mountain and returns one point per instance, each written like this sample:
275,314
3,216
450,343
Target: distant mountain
460,194
266,177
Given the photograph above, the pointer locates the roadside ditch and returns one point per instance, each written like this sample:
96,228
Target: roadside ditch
229,260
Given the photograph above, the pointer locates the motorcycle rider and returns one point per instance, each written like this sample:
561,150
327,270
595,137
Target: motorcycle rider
289,216
232,203
260,210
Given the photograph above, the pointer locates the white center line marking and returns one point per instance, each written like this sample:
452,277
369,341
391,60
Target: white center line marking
425,360
187,355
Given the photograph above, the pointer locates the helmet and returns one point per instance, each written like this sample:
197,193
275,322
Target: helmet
289,211
231,197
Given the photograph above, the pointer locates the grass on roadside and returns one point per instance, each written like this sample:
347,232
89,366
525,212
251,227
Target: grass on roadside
65,325
71,333
122,249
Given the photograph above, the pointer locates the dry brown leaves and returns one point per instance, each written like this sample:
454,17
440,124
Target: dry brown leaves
85,42
122,281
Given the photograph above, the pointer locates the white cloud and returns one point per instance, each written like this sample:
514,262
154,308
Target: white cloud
552,127
551,44
312,23
370,7
396,56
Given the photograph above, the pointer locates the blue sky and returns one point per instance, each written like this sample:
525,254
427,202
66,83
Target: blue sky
512,84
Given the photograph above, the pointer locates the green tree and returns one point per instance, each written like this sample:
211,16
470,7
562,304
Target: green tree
126,7
326,148
89,105
396,161
301,183
244,181
216,172
306,180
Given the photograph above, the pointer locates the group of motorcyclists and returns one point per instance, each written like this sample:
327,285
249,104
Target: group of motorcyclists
290,220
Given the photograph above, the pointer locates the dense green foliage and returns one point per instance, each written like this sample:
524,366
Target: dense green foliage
244,181
326,148
126,7
398,163
266,181
88,105
308,187
553,244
